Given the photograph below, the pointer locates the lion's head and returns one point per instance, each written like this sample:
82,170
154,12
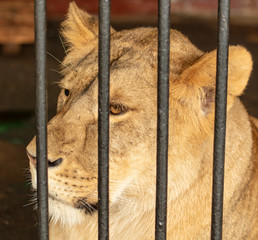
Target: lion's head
72,133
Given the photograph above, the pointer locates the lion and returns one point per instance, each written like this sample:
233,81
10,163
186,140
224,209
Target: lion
72,139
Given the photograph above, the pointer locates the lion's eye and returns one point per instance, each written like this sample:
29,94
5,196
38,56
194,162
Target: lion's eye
66,92
116,109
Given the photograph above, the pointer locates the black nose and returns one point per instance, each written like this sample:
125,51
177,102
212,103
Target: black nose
55,163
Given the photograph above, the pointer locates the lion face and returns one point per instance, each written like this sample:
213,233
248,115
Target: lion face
73,132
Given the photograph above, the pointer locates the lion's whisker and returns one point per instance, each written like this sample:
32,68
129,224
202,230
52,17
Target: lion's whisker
51,55
54,70
62,42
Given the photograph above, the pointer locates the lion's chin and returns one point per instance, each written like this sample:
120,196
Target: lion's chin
64,214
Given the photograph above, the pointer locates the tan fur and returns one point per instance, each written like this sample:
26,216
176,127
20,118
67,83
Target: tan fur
72,135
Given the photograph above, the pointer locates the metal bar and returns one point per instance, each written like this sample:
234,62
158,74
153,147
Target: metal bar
220,119
162,127
41,118
103,119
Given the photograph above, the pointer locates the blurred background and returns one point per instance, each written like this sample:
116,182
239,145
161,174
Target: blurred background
194,18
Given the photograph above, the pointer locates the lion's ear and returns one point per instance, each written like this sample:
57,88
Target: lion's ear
201,76
80,28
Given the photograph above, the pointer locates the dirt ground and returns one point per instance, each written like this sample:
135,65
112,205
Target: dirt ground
17,220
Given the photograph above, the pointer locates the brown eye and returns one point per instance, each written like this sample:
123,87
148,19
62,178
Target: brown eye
66,92
116,109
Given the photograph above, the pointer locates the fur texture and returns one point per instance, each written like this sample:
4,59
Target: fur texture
72,136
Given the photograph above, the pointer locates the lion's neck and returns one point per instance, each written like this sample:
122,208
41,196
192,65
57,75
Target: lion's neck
132,225
191,211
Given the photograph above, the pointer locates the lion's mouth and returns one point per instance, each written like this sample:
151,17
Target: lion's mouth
88,208
80,204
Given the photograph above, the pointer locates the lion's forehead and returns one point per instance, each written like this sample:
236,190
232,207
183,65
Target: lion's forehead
133,59
124,71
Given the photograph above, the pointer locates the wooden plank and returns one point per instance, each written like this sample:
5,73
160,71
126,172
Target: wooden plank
16,22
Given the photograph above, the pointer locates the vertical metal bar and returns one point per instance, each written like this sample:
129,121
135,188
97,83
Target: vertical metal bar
103,119
162,129
41,117
220,119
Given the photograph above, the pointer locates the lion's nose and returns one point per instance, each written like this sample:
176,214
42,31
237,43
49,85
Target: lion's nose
54,163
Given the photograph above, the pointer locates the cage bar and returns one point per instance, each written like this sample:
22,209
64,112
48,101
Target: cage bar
103,119
41,118
220,119
162,125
